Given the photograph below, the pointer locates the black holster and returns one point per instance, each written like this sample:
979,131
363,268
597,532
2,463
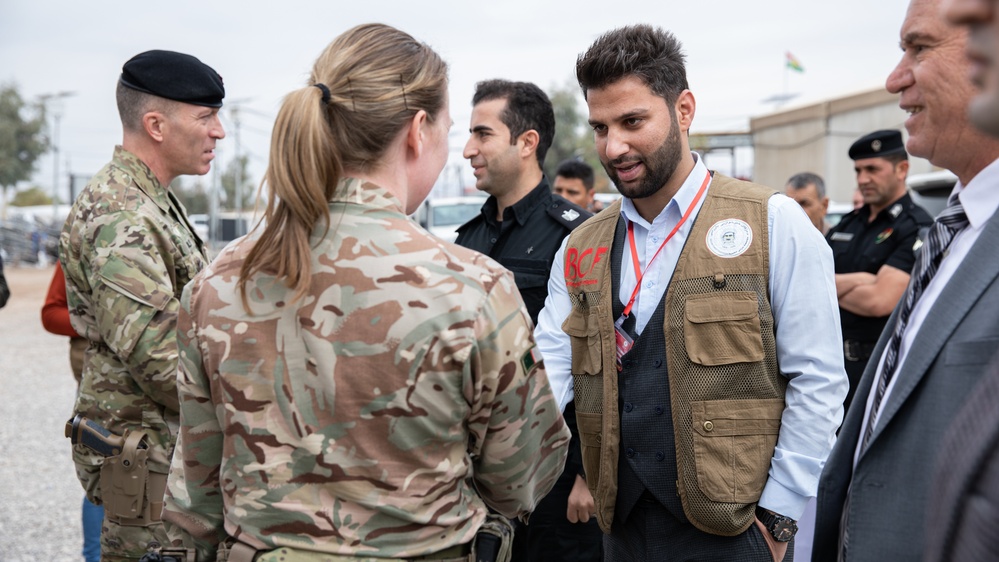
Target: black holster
494,540
159,554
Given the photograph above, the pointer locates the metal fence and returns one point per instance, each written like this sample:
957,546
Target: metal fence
28,242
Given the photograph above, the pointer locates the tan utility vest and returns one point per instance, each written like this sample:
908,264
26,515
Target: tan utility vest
726,391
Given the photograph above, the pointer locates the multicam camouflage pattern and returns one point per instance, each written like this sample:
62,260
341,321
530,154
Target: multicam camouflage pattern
127,251
376,416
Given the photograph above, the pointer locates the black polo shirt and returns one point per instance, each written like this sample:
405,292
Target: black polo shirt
526,240
859,245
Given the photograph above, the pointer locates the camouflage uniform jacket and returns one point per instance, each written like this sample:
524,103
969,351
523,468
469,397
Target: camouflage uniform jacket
376,416
127,251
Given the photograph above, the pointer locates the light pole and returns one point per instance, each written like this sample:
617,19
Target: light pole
237,173
236,108
56,104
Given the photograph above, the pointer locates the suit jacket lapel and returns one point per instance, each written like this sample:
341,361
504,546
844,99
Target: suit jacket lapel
978,269
854,423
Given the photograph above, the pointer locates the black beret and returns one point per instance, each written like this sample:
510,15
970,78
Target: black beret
174,76
878,145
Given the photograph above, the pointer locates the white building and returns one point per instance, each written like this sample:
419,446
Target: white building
815,138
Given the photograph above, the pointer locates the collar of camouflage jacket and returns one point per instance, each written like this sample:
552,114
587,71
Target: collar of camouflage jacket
142,177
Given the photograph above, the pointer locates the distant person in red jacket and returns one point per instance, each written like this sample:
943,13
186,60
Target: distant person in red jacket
55,319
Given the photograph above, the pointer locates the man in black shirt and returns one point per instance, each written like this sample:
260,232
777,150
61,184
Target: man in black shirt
522,225
874,246
575,182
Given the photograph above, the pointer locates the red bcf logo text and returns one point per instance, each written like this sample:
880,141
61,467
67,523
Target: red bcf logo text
579,264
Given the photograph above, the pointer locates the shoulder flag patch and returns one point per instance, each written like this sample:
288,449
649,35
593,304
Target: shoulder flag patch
531,359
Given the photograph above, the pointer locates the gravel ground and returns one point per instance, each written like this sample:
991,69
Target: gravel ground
39,494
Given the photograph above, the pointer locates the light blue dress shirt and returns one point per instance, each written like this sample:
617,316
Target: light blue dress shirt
806,320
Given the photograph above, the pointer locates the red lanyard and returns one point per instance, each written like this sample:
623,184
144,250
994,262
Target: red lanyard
634,251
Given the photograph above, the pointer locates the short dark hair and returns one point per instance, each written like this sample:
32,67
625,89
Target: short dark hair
576,169
653,55
527,107
133,105
895,158
805,179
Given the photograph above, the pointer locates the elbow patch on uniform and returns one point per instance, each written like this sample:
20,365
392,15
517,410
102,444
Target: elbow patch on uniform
127,299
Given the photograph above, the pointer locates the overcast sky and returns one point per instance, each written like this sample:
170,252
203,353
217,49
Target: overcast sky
735,54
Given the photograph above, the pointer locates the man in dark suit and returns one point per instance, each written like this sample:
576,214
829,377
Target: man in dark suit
873,501
964,501
963,511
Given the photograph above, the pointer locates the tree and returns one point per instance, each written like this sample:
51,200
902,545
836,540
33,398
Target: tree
573,135
21,138
235,174
31,197
193,196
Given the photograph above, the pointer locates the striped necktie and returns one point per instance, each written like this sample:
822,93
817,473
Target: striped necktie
951,221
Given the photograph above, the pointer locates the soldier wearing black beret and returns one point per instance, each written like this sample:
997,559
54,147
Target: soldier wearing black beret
174,76
873,246
127,251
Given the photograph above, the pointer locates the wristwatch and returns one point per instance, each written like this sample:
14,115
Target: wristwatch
781,528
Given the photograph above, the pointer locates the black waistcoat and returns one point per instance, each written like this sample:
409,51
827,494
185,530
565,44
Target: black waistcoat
647,459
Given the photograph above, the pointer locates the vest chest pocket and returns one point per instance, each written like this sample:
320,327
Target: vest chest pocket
722,328
734,441
581,327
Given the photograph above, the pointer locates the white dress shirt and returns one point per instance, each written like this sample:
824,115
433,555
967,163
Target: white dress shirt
980,200
806,320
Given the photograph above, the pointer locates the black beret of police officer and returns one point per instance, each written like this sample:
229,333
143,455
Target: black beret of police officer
878,145
174,76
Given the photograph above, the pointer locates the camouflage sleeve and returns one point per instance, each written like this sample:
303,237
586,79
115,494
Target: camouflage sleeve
518,438
134,305
193,502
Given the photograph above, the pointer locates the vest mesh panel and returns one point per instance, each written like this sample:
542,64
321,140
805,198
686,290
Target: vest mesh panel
589,391
737,381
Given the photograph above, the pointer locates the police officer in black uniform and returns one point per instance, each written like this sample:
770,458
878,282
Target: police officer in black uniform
522,225
874,246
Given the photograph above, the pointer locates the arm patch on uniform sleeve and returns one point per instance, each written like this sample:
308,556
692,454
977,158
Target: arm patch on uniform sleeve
133,280
567,214
531,359
126,300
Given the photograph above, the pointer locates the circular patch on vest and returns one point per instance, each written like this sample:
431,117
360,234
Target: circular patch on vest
729,238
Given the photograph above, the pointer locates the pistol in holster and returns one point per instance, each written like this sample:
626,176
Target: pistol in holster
132,495
493,541
159,554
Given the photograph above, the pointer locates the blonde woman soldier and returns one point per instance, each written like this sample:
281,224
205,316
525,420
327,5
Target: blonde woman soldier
351,387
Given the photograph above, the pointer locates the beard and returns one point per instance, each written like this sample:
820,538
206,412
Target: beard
659,166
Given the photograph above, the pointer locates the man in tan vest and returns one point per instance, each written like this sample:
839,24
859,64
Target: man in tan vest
705,360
